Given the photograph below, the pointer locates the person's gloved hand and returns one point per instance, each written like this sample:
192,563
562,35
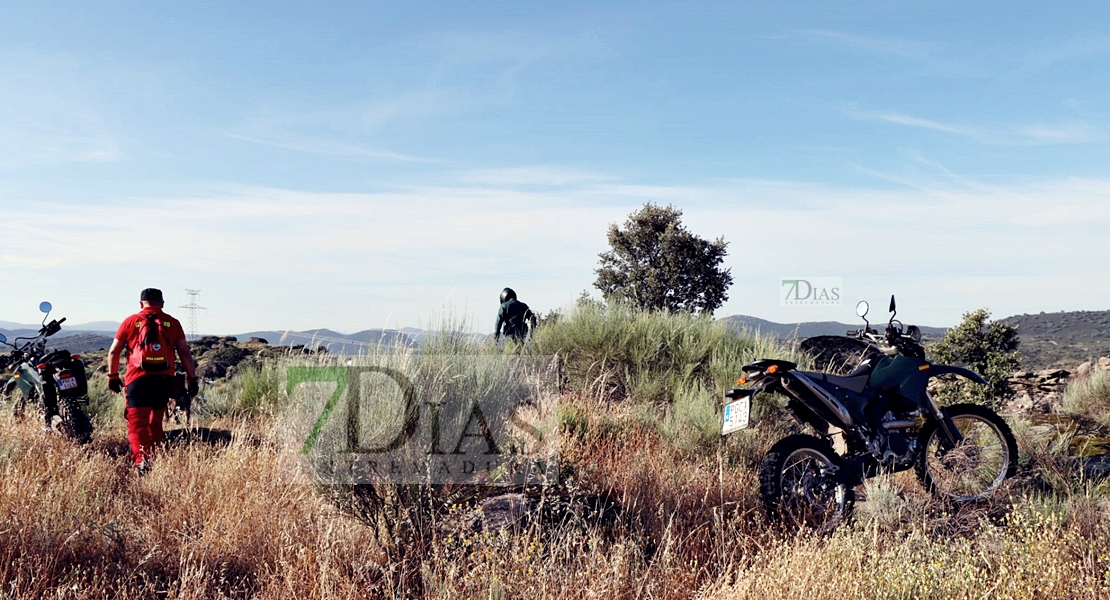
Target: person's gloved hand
193,386
114,383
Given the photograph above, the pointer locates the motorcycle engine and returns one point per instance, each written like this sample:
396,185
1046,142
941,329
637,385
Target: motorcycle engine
895,448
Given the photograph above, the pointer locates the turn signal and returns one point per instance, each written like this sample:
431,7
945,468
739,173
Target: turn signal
771,370
742,381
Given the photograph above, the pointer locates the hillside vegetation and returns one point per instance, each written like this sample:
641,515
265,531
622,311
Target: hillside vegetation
1064,339
658,505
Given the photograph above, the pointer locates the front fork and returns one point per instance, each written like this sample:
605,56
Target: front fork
951,435
49,397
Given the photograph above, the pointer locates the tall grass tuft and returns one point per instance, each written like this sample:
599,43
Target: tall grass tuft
617,352
1090,397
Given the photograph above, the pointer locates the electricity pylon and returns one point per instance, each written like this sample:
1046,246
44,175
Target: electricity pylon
193,308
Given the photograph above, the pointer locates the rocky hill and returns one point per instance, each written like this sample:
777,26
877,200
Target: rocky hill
1062,339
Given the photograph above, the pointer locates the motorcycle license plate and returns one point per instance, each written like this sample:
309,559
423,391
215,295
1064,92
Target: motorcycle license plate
737,415
67,384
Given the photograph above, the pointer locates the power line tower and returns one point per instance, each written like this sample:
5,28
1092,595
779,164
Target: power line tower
193,308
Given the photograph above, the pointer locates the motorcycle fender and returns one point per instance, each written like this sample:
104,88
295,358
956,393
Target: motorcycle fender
28,379
935,370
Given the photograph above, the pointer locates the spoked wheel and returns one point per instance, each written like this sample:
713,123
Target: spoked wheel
974,467
22,401
75,423
795,482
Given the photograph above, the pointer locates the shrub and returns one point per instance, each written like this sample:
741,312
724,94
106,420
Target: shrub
1090,397
987,347
616,351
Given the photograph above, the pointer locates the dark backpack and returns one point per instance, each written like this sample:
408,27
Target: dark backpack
154,353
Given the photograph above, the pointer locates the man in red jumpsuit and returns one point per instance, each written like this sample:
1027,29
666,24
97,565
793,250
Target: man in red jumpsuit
151,338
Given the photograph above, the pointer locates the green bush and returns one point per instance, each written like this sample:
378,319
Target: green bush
987,347
617,352
253,390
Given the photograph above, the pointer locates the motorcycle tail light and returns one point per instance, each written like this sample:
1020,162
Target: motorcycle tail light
65,375
40,366
75,356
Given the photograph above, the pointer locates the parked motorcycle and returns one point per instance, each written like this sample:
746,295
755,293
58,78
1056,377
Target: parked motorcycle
53,382
884,420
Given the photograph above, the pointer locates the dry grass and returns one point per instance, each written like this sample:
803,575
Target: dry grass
230,522
234,520
207,522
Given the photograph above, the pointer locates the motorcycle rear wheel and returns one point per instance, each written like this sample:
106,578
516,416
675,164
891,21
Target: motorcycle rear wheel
75,423
795,487
978,465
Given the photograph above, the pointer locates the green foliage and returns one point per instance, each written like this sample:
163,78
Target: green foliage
105,406
1090,397
987,347
615,351
694,420
656,264
254,390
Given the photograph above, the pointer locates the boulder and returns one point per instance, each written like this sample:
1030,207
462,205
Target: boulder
1104,363
211,370
257,340
1083,370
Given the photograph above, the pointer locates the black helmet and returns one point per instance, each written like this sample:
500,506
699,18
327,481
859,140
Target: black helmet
507,294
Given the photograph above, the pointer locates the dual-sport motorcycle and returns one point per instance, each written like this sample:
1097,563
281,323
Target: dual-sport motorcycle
884,420
53,382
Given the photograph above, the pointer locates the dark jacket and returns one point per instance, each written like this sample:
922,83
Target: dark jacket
514,318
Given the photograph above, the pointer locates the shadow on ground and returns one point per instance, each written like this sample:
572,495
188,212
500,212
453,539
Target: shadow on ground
198,435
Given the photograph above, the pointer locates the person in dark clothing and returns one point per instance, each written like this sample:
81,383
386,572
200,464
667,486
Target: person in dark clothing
514,318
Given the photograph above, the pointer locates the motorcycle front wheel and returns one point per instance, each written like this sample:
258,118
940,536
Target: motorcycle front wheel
796,487
977,465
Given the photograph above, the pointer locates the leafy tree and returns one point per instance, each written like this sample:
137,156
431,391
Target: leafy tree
655,263
987,347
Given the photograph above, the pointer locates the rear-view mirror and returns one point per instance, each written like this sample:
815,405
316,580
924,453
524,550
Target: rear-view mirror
46,307
862,308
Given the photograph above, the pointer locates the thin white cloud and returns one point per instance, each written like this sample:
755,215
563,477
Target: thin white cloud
1071,50
329,148
540,175
49,115
883,45
367,255
1062,133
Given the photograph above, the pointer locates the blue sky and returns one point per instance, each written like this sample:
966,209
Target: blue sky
363,165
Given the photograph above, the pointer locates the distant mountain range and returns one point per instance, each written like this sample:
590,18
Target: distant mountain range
1061,339
811,329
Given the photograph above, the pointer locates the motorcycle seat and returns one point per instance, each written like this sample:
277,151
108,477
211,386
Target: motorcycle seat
852,383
